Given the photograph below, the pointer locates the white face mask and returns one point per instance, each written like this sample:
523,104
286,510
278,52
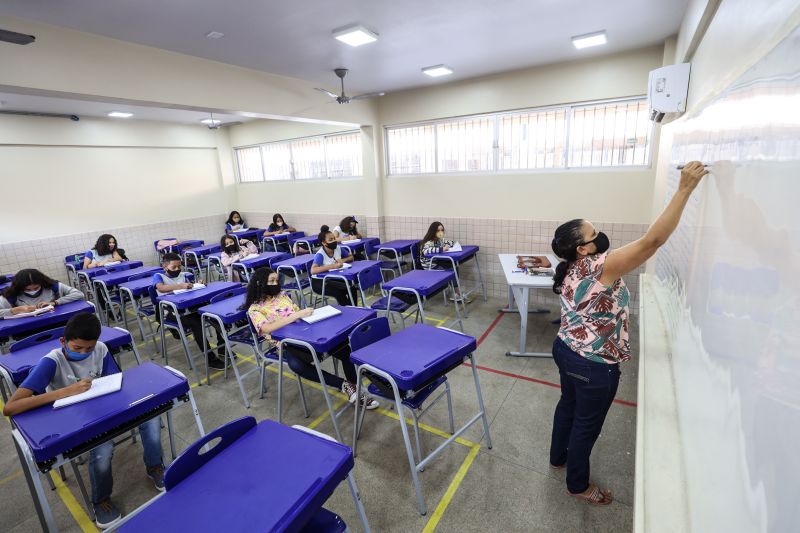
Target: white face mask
33,294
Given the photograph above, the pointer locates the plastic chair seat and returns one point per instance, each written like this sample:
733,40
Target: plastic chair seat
292,285
397,304
418,399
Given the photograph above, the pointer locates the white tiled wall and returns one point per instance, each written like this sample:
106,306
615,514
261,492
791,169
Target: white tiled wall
48,254
494,236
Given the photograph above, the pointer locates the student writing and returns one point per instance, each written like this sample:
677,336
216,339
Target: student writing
31,290
67,371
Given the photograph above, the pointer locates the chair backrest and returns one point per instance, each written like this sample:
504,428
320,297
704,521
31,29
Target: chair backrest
369,277
75,257
228,294
370,331
192,458
155,243
371,247
39,338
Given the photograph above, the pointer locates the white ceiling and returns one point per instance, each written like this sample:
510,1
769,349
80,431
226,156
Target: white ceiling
293,38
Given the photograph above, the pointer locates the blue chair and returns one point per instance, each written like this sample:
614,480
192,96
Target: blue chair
73,263
392,262
194,457
298,287
195,263
372,331
373,277
143,311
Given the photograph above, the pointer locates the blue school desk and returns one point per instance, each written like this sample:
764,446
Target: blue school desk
195,259
410,360
423,284
184,303
319,338
106,284
260,477
25,354
398,249
60,315
456,259
310,241
249,264
250,234
48,438
135,292
299,269
347,275
86,275
360,245
281,238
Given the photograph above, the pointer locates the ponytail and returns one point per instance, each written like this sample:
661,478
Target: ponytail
565,245
323,231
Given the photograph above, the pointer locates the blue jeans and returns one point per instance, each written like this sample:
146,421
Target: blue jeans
100,459
587,390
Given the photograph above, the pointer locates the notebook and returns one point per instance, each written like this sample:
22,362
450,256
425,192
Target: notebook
351,241
194,288
112,263
37,312
100,387
322,313
456,248
344,266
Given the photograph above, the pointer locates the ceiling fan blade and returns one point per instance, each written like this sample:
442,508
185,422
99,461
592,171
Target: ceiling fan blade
226,124
366,95
332,95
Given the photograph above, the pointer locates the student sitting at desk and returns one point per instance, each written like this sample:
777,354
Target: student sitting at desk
233,252
172,279
31,290
270,309
331,257
347,229
69,370
435,242
279,226
235,222
105,251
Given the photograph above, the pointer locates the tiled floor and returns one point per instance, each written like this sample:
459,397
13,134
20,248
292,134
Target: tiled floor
468,488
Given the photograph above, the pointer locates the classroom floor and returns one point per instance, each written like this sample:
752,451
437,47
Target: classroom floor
467,488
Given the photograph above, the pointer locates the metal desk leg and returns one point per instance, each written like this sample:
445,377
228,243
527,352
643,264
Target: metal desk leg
43,510
520,295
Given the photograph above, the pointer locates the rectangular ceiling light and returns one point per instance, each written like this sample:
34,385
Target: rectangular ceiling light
437,70
120,114
590,39
355,35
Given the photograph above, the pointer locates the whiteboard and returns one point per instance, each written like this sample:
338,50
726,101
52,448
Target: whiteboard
732,302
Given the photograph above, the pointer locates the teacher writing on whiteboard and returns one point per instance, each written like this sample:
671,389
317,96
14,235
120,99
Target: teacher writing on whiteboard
593,337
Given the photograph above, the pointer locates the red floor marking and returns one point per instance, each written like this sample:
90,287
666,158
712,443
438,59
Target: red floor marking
535,380
486,333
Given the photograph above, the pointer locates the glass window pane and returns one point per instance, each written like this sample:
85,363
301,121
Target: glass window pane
277,161
344,155
465,145
249,161
308,157
532,140
411,150
610,135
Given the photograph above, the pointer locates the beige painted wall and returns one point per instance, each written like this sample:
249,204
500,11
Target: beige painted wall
61,177
619,195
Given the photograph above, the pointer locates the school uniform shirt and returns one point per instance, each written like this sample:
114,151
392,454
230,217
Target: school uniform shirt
275,227
322,259
228,259
594,318
435,246
94,255
341,233
54,371
270,310
236,227
160,277
64,295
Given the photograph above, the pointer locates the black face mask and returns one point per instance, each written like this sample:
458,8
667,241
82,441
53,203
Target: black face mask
173,273
272,290
601,242
331,245
232,249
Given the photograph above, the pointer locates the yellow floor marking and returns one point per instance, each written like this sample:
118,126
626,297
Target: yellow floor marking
75,509
451,490
11,477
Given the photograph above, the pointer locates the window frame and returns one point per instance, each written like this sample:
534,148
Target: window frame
497,116
293,177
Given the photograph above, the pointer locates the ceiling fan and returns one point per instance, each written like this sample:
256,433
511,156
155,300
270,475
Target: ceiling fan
343,98
215,124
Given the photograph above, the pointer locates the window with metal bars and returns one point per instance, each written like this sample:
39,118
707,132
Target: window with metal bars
318,157
597,134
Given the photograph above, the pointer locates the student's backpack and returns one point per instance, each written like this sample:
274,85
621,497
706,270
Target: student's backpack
13,299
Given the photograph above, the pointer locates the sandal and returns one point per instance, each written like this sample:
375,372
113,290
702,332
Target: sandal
594,495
